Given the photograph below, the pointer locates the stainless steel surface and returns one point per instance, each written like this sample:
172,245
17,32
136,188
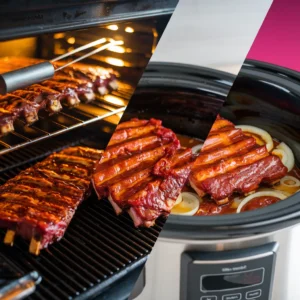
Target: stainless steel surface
24,77
163,265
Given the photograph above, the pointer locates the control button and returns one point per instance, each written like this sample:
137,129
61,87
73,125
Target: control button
208,298
253,294
232,297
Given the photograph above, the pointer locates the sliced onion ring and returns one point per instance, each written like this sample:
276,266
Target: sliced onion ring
282,155
196,149
179,199
290,178
190,201
265,136
287,155
260,194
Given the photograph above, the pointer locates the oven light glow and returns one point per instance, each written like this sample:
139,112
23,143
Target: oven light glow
106,129
112,27
59,35
118,42
117,49
115,61
114,100
129,29
71,40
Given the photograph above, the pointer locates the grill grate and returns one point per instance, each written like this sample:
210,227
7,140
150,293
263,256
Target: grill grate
98,248
68,119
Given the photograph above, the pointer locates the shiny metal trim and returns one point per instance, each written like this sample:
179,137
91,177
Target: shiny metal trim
237,260
233,289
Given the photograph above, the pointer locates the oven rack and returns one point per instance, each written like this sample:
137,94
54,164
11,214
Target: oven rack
68,119
98,249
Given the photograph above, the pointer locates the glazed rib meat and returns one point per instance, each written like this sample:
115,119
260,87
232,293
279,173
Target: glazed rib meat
245,178
40,202
232,162
20,107
143,170
70,85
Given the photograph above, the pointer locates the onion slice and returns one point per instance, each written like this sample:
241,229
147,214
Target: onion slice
178,200
196,149
296,182
286,154
276,194
188,206
265,136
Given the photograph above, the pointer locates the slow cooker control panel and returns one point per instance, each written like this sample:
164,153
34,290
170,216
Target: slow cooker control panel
228,275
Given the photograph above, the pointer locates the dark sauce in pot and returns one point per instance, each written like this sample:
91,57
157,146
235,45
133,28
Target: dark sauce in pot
260,202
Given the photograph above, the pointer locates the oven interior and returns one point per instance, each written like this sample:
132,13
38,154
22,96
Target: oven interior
128,61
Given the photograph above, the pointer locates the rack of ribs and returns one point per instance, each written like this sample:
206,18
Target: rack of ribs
232,162
70,85
40,202
143,170
102,79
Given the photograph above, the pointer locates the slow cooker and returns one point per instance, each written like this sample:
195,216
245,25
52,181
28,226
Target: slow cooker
223,257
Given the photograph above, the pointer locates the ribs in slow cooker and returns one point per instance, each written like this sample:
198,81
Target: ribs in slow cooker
230,162
40,202
143,170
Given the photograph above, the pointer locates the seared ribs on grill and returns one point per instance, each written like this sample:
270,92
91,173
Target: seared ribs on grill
232,162
40,202
70,85
143,170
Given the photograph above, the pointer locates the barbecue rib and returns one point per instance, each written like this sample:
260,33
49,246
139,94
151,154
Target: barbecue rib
39,203
232,162
143,170
69,85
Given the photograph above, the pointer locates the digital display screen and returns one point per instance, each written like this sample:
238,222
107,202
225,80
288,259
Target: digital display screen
232,281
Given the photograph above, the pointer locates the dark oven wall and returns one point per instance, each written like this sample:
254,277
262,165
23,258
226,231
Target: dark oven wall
31,17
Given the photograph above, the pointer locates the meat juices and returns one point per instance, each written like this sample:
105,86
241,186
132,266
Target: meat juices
143,170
